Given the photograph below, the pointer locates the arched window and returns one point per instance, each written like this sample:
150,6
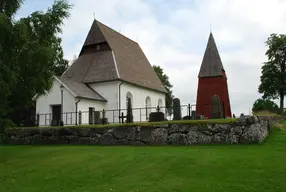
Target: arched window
129,95
148,107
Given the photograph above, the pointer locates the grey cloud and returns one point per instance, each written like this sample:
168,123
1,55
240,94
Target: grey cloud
175,36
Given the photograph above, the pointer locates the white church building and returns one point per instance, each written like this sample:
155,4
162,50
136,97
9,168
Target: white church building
109,69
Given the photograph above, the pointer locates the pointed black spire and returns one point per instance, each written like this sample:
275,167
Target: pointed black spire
211,65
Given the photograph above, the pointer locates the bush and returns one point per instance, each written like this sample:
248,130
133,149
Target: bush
5,124
265,105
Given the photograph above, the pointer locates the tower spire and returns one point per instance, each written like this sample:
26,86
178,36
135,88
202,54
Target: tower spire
212,82
211,64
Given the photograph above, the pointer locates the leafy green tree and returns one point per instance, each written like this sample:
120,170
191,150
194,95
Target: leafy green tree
31,54
273,78
168,86
265,105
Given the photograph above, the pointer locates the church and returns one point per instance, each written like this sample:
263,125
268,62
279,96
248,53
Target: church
110,69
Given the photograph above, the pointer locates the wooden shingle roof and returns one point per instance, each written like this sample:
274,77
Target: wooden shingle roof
211,65
119,58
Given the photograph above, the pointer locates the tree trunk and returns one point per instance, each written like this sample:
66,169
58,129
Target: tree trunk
281,103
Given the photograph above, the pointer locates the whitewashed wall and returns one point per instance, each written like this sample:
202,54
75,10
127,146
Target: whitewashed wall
109,90
53,97
84,106
139,96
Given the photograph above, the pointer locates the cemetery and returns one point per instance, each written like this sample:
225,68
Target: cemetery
161,113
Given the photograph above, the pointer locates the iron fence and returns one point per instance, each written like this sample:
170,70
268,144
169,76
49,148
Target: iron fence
120,115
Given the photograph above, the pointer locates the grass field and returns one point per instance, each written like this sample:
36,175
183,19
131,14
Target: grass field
145,124
237,168
264,113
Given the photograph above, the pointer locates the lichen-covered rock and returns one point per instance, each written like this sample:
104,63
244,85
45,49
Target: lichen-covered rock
145,135
84,132
177,139
218,139
247,130
107,139
254,134
231,139
122,142
136,143
128,133
205,139
192,137
175,128
159,136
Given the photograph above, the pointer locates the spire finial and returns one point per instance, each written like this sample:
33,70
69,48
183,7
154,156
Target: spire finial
94,15
211,28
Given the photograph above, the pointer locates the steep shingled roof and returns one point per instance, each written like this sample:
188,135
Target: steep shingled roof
211,64
81,90
118,58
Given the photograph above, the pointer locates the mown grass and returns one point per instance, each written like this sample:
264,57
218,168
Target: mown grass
145,124
265,113
233,168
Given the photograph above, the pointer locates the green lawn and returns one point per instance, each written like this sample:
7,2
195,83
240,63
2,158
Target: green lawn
255,168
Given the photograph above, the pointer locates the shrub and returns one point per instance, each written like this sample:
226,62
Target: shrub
5,124
265,105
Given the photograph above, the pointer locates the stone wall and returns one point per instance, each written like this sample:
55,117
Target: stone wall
244,131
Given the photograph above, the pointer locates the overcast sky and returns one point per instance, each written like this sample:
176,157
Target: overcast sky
174,34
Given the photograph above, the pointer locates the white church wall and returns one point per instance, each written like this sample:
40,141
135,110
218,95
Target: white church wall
109,90
84,106
139,96
44,104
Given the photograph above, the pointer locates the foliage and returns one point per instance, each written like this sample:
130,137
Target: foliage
265,105
242,168
146,124
31,54
168,86
9,7
4,125
273,78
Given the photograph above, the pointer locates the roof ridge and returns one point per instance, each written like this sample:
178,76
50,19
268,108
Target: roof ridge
114,32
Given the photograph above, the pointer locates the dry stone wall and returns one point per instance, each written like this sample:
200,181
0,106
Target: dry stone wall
244,131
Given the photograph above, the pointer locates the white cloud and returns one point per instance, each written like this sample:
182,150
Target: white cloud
173,34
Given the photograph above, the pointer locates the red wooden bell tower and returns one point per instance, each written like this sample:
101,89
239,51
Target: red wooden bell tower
212,81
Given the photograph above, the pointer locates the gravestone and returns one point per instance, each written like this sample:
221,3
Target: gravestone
129,116
156,117
194,115
177,109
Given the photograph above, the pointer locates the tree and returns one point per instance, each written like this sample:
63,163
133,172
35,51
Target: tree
265,105
273,78
31,54
168,86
